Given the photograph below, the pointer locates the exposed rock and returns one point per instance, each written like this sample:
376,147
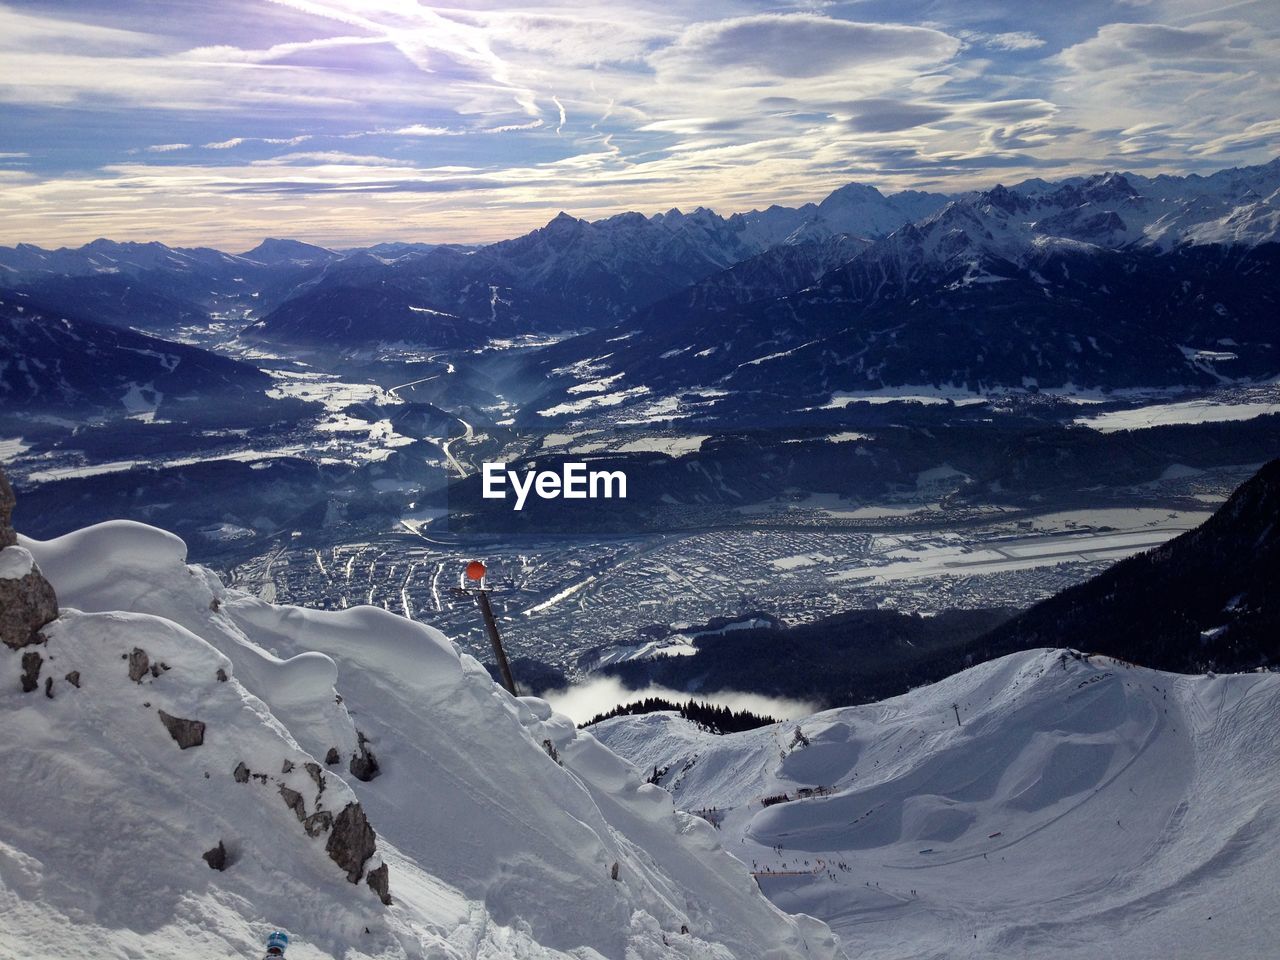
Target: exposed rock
139,664
380,881
364,765
613,871
73,678
221,675
316,774
332,757
26,605
318,823
217,857
352,841
241,773
187,733
7,500
31,671
287,766
293,800
27,602
48,687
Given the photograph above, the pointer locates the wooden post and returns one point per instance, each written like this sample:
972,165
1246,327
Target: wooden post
491,625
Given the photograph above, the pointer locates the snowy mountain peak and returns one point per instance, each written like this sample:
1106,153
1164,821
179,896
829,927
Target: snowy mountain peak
274,250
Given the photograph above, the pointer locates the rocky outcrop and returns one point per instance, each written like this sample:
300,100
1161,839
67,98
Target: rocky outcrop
139,664
217,857
293,800
352,841
364,765
379,880
8,537
186,733
31,662
27,601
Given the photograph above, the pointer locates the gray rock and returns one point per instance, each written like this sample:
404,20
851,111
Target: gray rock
317,775
380,881
221,675
332,757
318,823
293,800
26,605
31,671
352,841
186,733
73,678
241,773
139,664
217,857
364,765
7,500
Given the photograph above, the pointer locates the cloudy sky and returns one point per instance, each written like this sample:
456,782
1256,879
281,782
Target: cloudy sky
352,121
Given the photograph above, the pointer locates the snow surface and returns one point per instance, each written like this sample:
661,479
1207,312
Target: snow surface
1082,809
15,563
496,849
1188,411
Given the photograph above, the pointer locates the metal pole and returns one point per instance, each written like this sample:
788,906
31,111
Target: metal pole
491,625
956,708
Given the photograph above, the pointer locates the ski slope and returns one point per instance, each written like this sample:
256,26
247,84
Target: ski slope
495,848
1083,808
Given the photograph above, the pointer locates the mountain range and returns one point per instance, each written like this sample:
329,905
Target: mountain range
1103,281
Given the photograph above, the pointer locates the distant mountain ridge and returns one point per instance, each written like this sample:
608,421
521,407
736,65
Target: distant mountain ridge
575,275
1089,283
52,361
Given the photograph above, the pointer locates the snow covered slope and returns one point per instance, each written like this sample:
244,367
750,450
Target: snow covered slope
501,825
1083,808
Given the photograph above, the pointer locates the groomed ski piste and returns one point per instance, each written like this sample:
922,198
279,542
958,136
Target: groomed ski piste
1081,807
496,849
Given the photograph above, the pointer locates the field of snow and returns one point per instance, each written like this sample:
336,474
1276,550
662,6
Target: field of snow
913,556
1188,411
508,833
336,394
1035,806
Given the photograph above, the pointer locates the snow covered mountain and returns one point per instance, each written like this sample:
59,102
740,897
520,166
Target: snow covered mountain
57,362
1091,283
1047,804
274,252
1206,600
193,767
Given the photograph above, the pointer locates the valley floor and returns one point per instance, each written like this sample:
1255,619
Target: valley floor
564,597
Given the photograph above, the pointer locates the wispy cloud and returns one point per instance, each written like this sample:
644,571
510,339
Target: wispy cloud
191,132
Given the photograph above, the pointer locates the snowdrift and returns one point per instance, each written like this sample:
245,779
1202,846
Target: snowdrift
1044,804
500,826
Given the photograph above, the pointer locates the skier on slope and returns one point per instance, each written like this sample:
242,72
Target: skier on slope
277,943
